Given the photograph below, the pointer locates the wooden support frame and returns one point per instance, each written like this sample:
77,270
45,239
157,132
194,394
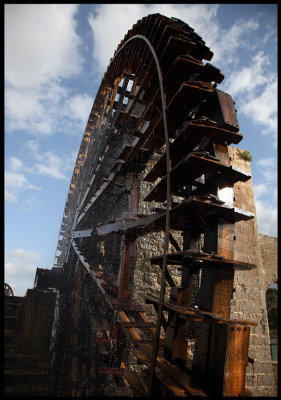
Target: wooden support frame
227,359
195,152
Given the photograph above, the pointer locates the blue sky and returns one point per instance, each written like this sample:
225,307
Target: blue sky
55,57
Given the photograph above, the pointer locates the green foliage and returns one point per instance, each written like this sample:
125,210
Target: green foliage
245,155
272,310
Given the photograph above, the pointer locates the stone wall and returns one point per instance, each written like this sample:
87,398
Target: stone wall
268,247
249,298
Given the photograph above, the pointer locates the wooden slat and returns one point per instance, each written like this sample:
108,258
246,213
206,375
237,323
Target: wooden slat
171,376
136,383
133,333
125,305
193,208
225,374
194,314
182,68
196,258
189,136
112,371
190,210
127,254
189,169
131,324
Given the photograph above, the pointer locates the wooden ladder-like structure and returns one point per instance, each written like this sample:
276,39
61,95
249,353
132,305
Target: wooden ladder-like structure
158,119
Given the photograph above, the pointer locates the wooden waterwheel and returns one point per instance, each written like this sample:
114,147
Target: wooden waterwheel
158,119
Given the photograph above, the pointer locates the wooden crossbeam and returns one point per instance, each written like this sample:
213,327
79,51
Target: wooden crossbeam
197,258
189,169
194,314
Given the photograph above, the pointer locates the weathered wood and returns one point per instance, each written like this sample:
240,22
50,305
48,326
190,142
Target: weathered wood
75,365
221,108
196,138
193,314
189,137
177,381
136,383
112,371
202,259
228,358
188,211
196,164
125,305
128,254
175,338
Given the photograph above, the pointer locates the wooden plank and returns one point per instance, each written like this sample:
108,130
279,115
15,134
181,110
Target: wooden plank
194,314
129,223
184,101
175,338
134,335
195,164
194,207
125,305
128,253
223,285
196,258
136,383
200,355
131,324
188,211
221,107
226,368
181,69
189,136
179,381
173,388
174,47
112,371
236,360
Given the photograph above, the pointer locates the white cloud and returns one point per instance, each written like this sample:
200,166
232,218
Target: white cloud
79,107
268,168
41,49
198,16
256,87
260,189
46,109
43,163
28,108
20,268
248,78
262,108
14,184
226,43
40,43
269,174
47,163
31,203
16,164
253,82
267,218
267,162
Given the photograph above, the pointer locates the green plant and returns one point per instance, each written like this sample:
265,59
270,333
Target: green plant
272,309
245,155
